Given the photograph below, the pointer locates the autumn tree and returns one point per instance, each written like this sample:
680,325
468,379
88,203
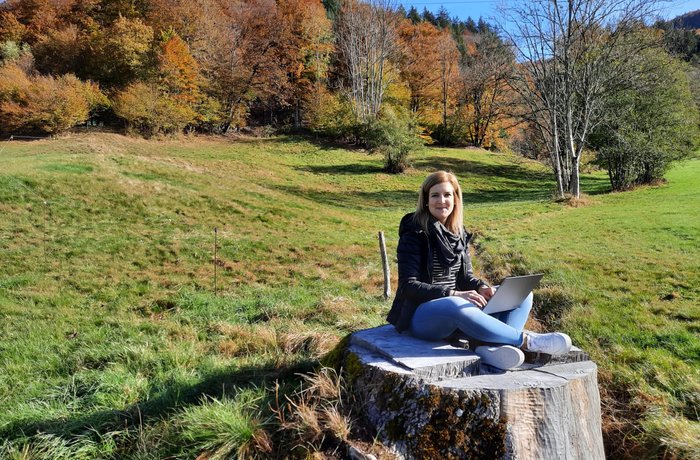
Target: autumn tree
448,63
185,17
121,52
307,43
179,77
240,58
45,104
36,16
61,51
485,75
10,28
419,55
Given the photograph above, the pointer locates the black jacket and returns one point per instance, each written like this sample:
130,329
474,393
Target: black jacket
415,256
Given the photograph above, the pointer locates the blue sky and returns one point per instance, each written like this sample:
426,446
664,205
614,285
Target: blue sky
488,8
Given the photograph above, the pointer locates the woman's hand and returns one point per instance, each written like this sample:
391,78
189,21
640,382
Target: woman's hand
473,297
487,291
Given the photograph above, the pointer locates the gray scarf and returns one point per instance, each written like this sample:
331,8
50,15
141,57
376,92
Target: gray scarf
449,247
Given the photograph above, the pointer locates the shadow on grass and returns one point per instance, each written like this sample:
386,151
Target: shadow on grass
323,143
466,168
354,199
526,180
166,400
359,200
352,168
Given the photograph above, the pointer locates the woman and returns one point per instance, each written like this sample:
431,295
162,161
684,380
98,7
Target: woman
438,294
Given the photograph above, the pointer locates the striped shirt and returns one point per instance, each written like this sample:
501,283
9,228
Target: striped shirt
445,276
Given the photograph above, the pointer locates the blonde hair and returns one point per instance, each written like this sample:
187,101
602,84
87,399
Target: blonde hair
422,216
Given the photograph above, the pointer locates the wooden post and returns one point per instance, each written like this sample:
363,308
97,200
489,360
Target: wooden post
216,259
385,263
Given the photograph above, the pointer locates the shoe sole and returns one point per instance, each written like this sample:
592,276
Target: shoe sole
503,357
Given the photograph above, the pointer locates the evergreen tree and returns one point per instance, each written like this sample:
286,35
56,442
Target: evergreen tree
443,18
332,7
471,25
401,11
413,15
483,26
428,16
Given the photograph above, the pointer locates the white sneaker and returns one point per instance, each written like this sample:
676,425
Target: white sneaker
502,357
553,343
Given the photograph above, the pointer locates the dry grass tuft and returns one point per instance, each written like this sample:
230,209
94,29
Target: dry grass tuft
314,415
573,202
336,423
316,344
337,311
259,443
244,340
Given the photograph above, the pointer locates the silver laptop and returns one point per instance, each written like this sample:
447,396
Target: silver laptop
512,292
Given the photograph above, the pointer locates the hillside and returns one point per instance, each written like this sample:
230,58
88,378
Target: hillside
120,338
690,20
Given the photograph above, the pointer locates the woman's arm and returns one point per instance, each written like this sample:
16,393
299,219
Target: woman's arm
469,287
466,281
411,266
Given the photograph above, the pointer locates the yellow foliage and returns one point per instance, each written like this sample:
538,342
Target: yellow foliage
150,111
327,112
44,103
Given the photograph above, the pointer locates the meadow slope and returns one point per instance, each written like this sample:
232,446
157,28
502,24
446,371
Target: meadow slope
121,338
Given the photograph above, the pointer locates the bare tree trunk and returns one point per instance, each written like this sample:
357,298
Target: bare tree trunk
571,52
366,41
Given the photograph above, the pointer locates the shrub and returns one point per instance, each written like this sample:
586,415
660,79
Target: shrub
328,114
394,136
150,112
453,133
44,103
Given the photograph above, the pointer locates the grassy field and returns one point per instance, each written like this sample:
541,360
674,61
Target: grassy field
121,338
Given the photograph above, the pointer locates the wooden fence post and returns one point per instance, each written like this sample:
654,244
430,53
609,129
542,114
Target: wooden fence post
385,263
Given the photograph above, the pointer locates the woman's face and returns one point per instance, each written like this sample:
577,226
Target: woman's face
441,201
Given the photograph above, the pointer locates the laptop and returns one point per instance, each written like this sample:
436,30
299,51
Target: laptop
512,292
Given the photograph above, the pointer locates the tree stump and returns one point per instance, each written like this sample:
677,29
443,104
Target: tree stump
432,400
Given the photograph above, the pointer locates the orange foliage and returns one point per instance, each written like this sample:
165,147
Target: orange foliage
44,103
59,51
10,28
428,65
39,16
185,17
179,72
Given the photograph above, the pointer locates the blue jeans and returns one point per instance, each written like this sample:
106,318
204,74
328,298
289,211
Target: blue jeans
440,318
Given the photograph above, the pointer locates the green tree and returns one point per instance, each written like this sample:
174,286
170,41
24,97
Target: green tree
651,121
413,15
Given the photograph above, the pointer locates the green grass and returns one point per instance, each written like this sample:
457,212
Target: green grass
113,343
